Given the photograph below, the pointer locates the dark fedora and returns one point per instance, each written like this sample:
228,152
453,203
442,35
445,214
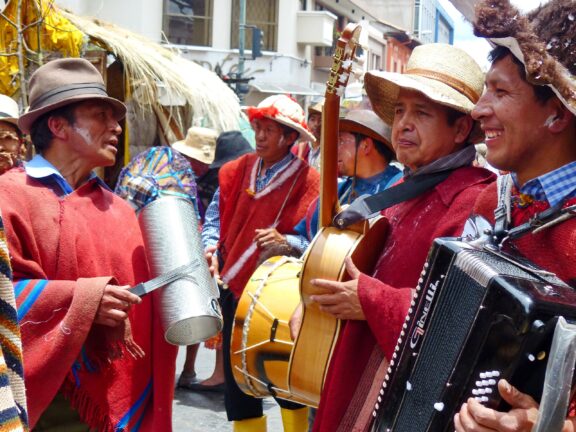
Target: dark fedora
229,146
62,82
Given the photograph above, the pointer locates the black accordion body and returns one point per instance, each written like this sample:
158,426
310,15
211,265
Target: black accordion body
478,315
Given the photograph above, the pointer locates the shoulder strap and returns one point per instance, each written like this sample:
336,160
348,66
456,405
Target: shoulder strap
366,206
502,212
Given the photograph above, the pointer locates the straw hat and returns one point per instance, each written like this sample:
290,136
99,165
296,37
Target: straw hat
62,82
367,122
316,108
443,73
8,110
285,110
200,144
543,41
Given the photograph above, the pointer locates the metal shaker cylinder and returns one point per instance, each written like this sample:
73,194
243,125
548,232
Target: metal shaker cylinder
188,307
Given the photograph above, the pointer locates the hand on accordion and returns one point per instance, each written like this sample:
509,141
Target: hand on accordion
341,298
475,417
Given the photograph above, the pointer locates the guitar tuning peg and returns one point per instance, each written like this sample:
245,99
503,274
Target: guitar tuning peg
343,78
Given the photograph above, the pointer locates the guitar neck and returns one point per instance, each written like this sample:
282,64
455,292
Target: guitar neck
329,160
339,74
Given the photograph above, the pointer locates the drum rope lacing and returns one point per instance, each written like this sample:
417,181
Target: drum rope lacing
246,328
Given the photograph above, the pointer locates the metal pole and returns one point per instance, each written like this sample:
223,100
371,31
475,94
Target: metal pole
241,38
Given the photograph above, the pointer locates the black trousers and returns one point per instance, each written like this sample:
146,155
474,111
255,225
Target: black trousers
239,406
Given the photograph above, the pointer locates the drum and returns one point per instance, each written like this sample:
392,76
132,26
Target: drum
261,345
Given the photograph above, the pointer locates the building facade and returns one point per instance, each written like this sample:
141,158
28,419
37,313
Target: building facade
297,40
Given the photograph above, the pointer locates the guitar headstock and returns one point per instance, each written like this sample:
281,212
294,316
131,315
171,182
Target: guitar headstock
343,59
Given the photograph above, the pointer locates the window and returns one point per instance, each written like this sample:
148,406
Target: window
262,14
188,22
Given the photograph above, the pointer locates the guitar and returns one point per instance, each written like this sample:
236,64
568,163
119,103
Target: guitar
319,331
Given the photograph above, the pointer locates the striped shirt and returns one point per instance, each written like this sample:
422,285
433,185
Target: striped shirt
553,187
211,227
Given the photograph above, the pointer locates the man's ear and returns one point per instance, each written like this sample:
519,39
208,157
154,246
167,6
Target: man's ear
58,126
366,146
292,137
561,117
464,125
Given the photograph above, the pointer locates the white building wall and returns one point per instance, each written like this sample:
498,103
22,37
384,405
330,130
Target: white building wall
221,24
140,16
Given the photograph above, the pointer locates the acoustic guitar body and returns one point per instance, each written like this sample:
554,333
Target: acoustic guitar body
319,330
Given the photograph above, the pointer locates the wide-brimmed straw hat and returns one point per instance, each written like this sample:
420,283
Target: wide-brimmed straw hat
443,73
62,82
543,41
367,122
8,110
285,110
199,144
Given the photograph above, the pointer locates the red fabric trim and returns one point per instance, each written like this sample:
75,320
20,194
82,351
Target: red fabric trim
258,113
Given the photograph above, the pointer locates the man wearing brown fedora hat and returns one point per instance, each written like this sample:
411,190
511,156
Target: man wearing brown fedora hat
528,113
432,134
95,356
270,188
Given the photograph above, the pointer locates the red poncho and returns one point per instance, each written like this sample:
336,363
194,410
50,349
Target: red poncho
64,251
356,369
243,210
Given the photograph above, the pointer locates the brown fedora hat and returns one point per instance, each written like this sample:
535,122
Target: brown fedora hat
367,122
62,82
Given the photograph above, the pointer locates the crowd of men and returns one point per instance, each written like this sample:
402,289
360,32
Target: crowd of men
93,354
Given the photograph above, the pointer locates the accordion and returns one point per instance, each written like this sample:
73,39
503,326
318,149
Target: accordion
478,315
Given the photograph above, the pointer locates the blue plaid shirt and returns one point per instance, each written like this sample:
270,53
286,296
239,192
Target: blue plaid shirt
211,227
553,187
40,169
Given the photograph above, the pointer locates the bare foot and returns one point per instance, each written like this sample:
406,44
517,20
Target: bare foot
215,379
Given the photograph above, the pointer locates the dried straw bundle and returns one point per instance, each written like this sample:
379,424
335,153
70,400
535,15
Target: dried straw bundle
148,63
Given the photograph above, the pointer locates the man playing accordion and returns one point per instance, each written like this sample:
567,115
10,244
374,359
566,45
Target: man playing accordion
528,115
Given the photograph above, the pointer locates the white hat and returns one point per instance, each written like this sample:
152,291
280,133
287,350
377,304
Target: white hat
8,110
200,144
285,110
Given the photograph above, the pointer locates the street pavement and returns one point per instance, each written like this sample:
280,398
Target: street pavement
204,412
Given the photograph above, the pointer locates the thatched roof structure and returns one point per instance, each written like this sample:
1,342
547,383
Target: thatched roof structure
149,65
